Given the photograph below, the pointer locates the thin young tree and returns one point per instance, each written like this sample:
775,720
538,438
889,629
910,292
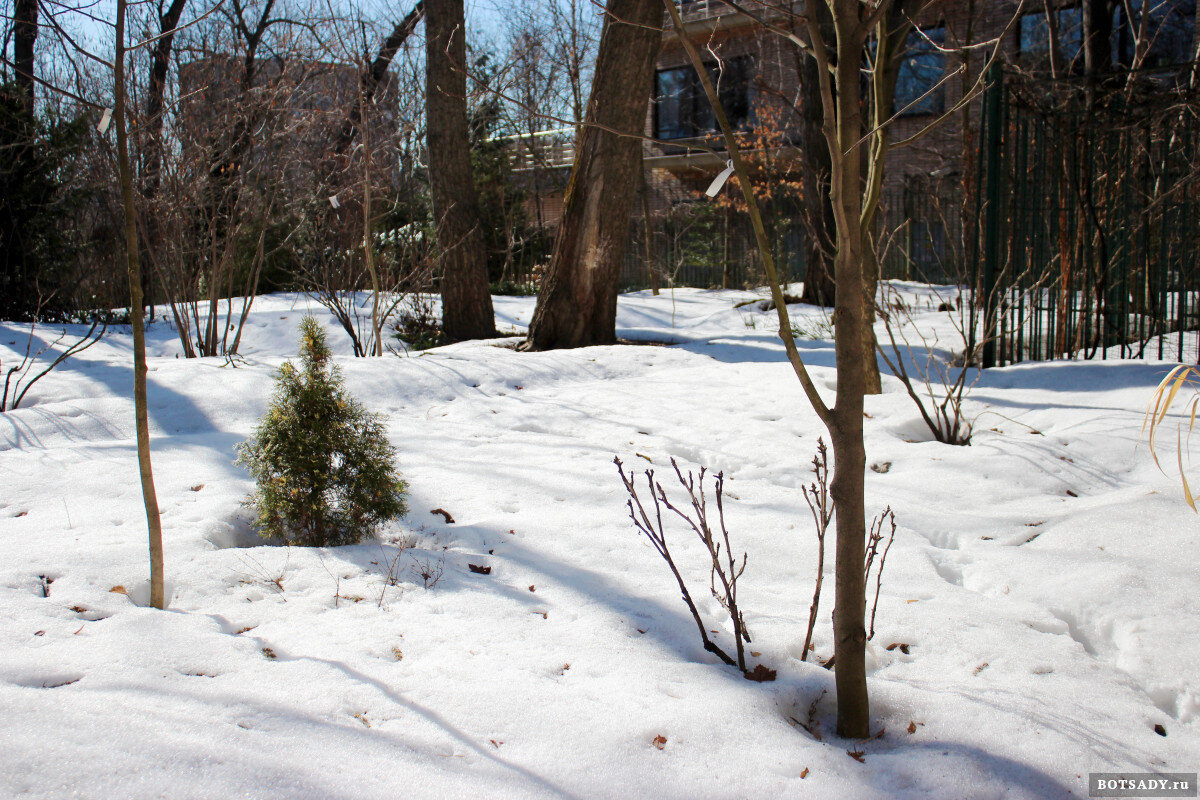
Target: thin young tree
841,37
466,304
577,301
136,314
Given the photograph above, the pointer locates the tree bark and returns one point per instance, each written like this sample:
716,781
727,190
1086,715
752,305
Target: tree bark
843,127
891,43
816,208
577,302
133,269
25,32
466,304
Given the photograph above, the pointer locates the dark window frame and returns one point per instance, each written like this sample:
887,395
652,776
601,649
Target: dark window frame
921,68
693,115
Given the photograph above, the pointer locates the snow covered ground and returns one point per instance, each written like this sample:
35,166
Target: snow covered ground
1044,580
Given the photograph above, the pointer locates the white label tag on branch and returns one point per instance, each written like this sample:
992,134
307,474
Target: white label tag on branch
105,119
719,181
333,201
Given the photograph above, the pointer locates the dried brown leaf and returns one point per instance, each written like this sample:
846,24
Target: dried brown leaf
761,674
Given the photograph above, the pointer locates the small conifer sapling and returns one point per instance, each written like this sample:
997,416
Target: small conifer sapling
324,469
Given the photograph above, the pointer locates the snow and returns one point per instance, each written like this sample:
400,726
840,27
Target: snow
1044,579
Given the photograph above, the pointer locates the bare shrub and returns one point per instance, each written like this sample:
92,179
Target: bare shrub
724,568
882,533
936,383
816,494
875,538
19,378
428,569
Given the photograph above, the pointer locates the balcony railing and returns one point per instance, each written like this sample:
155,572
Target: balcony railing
701,9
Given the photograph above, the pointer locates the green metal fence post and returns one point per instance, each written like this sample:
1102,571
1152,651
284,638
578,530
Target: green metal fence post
994,209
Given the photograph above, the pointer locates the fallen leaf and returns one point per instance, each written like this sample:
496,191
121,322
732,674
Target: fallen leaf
755,653
660,741
118,590
901,646
531,588
479,570
445,515
857,755
39,633
804,773
197,487
397,653
912,727
496,744
269,653
761,674
362,717
1071,493
78,609
1160,730
247,628
980,668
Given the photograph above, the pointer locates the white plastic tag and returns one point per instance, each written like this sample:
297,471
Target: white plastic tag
333,201
719,181
105,119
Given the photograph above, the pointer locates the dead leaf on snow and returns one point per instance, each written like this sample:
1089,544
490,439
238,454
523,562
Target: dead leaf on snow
760,673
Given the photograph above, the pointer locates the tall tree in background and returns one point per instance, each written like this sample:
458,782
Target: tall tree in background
152,129
577,302
816,207
373,74
25,32
466,304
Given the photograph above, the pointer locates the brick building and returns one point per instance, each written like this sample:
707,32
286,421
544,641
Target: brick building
697,241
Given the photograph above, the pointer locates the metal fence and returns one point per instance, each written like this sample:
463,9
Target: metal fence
1089,237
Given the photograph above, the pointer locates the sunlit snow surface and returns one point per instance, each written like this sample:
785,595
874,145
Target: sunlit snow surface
1046,580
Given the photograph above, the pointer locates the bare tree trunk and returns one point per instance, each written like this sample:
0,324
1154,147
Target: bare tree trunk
466,304
817,211
134,270
891,39
25,32
843,127
577,302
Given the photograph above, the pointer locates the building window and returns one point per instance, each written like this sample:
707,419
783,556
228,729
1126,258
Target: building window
1168,31
682,110
1035,35
921,69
